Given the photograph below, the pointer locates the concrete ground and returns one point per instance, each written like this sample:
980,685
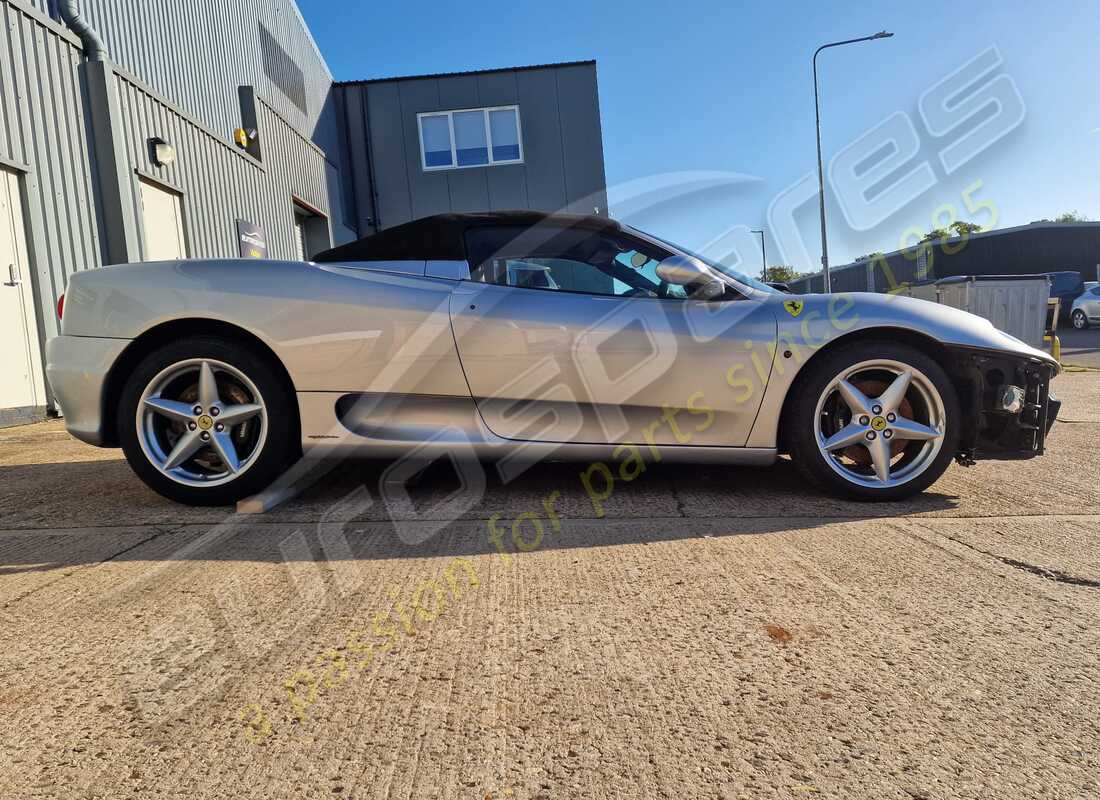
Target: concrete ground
719,633
1080,347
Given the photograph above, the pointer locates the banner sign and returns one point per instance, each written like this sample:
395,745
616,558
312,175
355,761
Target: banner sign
251,239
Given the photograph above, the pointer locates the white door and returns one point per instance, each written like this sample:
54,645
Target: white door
300,237
162,218
21,385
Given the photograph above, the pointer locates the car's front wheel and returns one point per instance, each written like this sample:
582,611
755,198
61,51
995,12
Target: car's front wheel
1080,321
206,421
874,421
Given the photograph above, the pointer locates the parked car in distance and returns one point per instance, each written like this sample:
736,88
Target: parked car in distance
1085,311
1066,286
518,336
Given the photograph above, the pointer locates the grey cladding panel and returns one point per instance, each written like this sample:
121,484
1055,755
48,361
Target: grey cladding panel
281,69
507,188
562,147
537,94
429,190
388,144
42,128
580,125
507,184
356,157
469,188
197,52
497,88
456,92
219,183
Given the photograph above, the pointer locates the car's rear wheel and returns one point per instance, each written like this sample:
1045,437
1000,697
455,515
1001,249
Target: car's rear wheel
206,421
874,421
1080,321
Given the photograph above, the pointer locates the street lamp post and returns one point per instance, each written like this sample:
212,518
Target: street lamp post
820,170
763,258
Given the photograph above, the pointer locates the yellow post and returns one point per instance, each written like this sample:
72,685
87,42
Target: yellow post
1055,346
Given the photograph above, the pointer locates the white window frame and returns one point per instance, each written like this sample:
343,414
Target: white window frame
488,137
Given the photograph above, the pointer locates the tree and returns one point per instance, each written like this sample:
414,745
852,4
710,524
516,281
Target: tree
965,228
959,228
936,233
782,274
1069,216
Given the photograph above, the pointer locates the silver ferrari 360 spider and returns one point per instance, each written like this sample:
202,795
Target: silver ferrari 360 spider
518,336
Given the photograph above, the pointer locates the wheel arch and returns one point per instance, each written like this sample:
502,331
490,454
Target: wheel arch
166,332
933,348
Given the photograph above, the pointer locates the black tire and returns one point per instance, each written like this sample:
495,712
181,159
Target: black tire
275,454
800,429
1080,320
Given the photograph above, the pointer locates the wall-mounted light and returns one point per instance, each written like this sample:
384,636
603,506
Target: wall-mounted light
244,136
162,153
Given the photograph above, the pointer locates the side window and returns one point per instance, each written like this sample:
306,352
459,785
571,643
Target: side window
568,260
646,267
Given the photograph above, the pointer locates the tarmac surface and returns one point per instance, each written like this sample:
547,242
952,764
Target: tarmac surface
1081,348
718,633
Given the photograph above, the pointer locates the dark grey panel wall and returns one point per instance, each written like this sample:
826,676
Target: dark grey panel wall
42,135
563,166
1024,250
578,109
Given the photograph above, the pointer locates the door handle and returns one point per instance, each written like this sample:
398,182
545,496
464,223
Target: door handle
12,280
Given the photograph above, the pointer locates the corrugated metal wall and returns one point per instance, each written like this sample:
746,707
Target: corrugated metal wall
197,52
562,144
42,131
219,182
192,55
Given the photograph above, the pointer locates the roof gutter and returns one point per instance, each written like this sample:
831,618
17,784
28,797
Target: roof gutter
94,47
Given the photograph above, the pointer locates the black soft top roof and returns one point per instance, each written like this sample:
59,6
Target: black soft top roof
443,237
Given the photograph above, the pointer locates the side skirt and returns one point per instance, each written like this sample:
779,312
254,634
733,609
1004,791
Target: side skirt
342,425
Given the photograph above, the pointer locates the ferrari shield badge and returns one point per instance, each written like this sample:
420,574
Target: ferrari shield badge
794,307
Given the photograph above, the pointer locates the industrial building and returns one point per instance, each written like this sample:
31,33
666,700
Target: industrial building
139,131
1022,250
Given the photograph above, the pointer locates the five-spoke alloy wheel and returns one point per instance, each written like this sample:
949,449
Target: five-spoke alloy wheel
206,421
190,433
1079,319
875,421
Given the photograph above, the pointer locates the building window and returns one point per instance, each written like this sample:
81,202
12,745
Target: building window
471,137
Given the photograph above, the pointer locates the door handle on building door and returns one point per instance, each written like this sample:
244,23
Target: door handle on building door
12,280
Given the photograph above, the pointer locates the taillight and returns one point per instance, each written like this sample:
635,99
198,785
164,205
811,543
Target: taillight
60,306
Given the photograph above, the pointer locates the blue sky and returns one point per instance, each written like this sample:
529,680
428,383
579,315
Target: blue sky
725,87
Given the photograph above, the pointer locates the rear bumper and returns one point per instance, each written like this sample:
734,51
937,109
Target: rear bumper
77,368
999,433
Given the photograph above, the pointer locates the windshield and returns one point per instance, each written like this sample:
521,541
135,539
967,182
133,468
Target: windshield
737,275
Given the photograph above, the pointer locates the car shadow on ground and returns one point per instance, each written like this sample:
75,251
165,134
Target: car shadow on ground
66,514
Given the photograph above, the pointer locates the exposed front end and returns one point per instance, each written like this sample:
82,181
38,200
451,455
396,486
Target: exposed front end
1008,396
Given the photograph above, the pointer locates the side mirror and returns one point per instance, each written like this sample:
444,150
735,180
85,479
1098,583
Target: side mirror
711,290
682,271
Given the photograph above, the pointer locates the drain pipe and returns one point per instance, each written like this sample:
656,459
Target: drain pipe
93,44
